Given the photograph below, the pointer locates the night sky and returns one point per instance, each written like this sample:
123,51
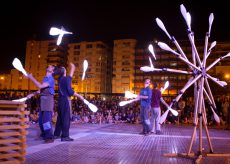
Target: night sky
105,21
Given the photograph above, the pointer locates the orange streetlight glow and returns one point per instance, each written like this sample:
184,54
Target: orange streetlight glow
151,86
227,76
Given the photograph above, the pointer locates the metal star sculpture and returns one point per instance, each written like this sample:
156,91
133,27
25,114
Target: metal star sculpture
199,76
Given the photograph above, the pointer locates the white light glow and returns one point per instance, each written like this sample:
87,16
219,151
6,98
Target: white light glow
18,65
85,66
130,95
61,32
152,51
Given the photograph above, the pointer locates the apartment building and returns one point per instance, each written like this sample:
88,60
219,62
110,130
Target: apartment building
114,71
98,75
123,65
166,59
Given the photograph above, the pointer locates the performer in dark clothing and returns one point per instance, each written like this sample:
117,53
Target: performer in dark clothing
64,104
46,103
145,104
156,110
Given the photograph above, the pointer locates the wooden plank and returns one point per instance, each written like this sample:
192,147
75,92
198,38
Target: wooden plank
8,141
13,119
7,127
12,155
218,155
10,162
10,112
12,105
8,134
8,148
10,119
13,112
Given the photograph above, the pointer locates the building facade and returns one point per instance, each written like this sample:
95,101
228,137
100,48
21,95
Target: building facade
98,75
123,65
165,59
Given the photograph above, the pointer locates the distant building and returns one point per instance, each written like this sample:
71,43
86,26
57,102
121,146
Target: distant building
5,81
114,69
98,75
17,81
123,65
165,59
13,81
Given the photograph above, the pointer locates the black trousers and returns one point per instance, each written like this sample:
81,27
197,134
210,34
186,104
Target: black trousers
63,118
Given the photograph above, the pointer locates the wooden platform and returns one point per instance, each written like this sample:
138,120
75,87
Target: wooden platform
13,119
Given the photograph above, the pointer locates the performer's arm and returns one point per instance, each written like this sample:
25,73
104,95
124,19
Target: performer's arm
143,97
72,69
38,84
149,96
69,86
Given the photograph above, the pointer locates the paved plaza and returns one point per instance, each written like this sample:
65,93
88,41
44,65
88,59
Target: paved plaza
122,143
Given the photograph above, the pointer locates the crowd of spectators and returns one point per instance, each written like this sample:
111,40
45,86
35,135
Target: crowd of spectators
110,112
